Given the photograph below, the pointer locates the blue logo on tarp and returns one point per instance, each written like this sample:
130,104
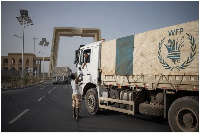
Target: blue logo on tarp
173,47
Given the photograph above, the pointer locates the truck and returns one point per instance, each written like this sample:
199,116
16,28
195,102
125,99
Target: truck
60,75
155,73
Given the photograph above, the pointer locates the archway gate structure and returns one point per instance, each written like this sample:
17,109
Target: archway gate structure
69,32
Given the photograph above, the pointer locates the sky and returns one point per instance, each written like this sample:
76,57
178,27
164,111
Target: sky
115,19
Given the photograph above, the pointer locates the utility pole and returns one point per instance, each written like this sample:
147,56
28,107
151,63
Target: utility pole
34,43
25,21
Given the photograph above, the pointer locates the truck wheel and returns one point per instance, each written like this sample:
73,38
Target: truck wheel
183,115
91,101
150,109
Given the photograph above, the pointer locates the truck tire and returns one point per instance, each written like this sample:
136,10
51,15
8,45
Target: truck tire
91,101
150,109
183,114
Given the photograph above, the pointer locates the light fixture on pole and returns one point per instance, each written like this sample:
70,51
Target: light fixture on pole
17,36
43,43
24,20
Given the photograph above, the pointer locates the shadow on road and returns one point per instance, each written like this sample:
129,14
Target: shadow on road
159,120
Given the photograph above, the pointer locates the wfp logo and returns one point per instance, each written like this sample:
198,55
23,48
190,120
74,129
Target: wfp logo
173,48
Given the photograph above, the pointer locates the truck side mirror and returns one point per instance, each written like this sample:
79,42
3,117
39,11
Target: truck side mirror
76,57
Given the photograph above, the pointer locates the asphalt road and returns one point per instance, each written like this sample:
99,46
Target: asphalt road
47,108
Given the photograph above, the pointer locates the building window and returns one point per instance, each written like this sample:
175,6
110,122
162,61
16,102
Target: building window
27,62
5,60
5,68
12,63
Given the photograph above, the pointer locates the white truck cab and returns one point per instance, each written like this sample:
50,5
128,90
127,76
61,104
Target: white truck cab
91,69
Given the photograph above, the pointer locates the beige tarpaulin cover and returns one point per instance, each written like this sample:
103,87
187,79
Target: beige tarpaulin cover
172,50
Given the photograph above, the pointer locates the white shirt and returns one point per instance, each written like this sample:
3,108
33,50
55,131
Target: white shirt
75,87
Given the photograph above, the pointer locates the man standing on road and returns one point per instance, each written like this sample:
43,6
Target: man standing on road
76,96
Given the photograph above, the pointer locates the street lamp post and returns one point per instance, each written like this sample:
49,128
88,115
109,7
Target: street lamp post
24,20
43,43
34,43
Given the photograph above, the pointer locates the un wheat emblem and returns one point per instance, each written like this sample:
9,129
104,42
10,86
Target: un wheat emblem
174,53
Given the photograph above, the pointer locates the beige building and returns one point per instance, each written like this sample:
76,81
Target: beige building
32,64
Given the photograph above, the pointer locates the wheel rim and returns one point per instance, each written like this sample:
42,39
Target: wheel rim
91,101
187,120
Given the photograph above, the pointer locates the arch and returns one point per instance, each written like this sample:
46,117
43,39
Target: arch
20,61
95,33
20,64
27,62
13,61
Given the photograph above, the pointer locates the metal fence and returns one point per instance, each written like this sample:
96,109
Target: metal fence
13,79
17,74
13,73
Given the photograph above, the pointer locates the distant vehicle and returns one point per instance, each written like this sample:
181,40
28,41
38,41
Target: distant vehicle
154,73
60,75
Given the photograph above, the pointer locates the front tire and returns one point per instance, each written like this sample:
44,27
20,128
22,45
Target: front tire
91,101
183,115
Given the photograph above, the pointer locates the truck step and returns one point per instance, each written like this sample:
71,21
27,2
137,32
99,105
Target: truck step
131,103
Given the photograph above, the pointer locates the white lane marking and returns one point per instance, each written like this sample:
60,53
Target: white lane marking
43,87
50,91
20,115
54,87
41,98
